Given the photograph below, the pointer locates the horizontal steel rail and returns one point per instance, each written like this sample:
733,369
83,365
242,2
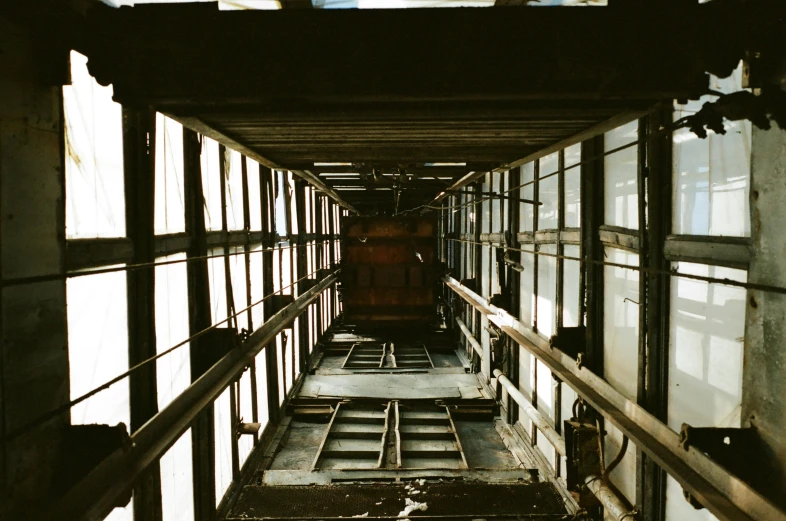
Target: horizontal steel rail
721,492
471,339
93,497
542,424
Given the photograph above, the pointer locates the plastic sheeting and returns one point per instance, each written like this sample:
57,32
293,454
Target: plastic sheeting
234,188
572,187
527,210
547,291
620,177
98,351
712,175
170,214
548,192
621,322
177,495
211,183
95,201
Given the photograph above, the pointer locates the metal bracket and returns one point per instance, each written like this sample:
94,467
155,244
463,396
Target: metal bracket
583,449
738,450
570,340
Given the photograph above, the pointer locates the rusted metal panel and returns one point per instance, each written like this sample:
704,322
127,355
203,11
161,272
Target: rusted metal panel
389,269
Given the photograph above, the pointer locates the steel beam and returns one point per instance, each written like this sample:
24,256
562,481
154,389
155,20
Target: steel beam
722,493
93,497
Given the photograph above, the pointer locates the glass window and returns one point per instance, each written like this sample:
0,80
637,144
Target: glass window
571,298
95,196
173,371
223,443
547,290
234,185
254,195
177,492
620,177
211,183
621,321
170,214
527,210
712,175
573,186
548,192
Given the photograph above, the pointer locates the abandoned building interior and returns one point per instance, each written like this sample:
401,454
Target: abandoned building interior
393,259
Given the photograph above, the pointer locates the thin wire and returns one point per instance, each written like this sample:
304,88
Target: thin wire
67,406
19,281
654,271
673,127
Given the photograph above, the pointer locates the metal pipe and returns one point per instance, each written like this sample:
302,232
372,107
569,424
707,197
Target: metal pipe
471,339
721,492
94,496
542,424
615,508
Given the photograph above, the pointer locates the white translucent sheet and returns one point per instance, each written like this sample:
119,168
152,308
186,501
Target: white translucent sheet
712,175
246,442
620,177
572,187
527,210
95,200
546,408
218,294
234,186
707,329
496,207
261,369
257,291
98,351
223,443
211,183
621,322
570,289
547,290
624,475
173,371
527,298
98,346
170,214
177,494
254,195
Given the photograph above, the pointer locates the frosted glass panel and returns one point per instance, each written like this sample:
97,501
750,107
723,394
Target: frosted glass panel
234,185
712,175
245,443
678,509
545,385
254,195
547,290
485,206
177,496
237,267
496,207
173,371
257,291
95,201
624,475
570,288
170,209
211,183
98,347
621,322
527,298
548,191
572,186
526,382
218,289
527,210
621,186
223,443
707,324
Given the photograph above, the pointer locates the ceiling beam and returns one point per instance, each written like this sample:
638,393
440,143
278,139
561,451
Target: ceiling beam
595,130
199,126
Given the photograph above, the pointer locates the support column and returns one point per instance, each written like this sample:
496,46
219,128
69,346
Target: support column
139,130
764,363
269,233
199,318
592,249
34,373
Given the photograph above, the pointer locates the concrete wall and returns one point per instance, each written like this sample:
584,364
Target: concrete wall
34,363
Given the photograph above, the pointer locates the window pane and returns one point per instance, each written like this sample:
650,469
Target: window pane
177,494
712,175
211,183
621,321
254,195
95,204
572,186
173,371
527,212
620,177
234,185
170,214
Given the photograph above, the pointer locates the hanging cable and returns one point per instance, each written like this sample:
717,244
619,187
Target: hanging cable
654,271
67,406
